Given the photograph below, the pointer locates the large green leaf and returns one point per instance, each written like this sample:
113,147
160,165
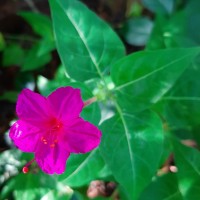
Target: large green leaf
132,147
164,187
86,44
142,78
183,100
187,160
82,168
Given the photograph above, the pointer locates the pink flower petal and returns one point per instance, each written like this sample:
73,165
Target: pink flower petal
80,136
24,136
32,107
51,160
66,103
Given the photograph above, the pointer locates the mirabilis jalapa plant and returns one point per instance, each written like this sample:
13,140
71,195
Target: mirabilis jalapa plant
132,147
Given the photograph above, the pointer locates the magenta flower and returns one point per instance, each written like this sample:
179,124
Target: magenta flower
51,127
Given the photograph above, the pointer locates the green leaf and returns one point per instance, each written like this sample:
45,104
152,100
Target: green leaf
163,188
34,60
37,185
41,24
46,46
9,96
61,193
178,30
2,42
136,31
82,168
193,19
86,44
171,32
13,55
159,6
183,100
142,78
132,147
187,160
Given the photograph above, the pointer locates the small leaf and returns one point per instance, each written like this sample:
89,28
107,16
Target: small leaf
142,78
86,44
33,60
10,96
40,23
132,147
13,55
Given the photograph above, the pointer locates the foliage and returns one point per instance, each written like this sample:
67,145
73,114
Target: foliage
148,102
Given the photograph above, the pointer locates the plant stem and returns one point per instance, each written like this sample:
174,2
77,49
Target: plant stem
90,101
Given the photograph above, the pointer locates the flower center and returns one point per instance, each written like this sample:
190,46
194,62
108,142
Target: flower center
51,136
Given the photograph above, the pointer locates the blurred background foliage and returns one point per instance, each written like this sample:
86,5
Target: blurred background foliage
28,58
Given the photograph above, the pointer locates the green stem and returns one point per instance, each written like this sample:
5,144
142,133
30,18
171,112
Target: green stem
21,37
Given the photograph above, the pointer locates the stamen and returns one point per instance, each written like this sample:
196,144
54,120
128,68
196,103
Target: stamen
25,169
50,138
43,140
